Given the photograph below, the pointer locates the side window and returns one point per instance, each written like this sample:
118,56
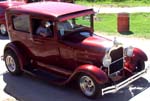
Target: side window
42,27
21,23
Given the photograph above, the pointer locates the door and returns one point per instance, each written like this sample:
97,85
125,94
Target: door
67,56
44,48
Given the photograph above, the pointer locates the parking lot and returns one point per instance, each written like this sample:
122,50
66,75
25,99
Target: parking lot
27,88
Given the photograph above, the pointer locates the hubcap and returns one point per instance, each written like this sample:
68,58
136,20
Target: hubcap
3,29
10,63
87,85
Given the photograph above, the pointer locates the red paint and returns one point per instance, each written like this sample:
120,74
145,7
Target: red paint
94,71
56,10
4,5
139,54
131,62
15,49
123,22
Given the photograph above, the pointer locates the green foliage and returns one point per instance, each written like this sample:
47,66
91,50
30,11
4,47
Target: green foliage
139,24
115,1
106,23
118,0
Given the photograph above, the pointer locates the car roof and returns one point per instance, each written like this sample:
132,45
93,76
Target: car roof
54,9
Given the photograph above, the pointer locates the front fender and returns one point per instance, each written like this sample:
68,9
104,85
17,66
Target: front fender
132,62
14,48
95,72
139,54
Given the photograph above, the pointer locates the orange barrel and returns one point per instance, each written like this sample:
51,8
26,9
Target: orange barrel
123,22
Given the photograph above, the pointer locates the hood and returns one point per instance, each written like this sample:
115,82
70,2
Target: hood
97,43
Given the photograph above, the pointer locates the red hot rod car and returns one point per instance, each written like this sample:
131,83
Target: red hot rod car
69,50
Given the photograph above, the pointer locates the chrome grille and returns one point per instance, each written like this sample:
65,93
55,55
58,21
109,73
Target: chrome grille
117,60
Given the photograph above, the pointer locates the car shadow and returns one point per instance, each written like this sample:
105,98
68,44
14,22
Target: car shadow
4,37
28,88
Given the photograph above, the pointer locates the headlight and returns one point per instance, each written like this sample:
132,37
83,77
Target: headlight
129,51
106,60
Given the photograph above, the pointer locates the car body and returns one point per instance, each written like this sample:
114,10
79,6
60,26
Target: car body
3,6
72,52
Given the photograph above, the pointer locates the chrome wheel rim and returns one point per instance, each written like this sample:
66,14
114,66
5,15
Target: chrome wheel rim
10,62
3,29
87,85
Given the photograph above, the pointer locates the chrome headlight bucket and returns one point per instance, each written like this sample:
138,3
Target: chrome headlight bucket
107,60
129,51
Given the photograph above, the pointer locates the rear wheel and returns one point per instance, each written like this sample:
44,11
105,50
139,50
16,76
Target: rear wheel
12,62
3,30
89,87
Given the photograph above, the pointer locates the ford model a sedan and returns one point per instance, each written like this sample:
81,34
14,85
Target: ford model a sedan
55,41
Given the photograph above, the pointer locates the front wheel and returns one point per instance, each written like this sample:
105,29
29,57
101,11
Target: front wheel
89,87
12,62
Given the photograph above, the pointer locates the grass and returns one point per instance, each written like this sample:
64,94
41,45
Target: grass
107,23
139,25
126,3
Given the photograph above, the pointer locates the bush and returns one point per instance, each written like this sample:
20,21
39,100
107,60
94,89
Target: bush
118,0
146,1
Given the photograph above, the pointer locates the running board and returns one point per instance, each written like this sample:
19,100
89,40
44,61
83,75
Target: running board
45,75
55,69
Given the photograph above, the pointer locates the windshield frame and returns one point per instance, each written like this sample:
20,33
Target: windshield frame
90,27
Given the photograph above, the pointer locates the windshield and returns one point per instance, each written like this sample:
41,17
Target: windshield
80,25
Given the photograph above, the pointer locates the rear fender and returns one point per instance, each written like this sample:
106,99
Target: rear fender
15,49
95,72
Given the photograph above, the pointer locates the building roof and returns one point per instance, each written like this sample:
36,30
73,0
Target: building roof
55,9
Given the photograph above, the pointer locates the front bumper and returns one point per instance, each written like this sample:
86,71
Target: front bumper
115,88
